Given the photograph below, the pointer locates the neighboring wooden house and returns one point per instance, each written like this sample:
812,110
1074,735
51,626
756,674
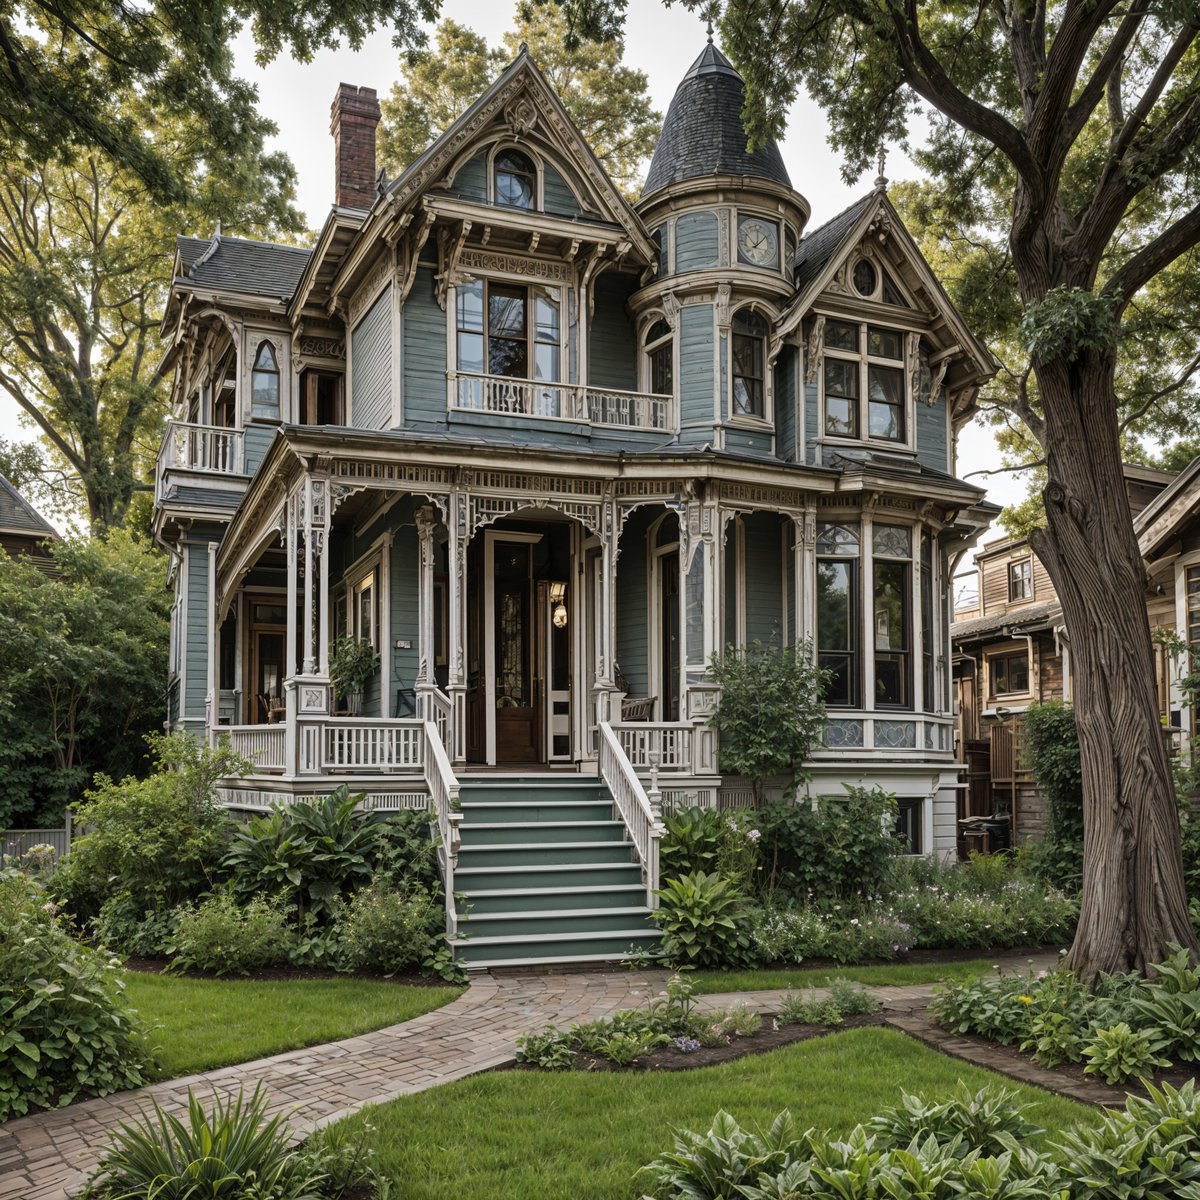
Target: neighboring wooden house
1011,650
549,452
24,532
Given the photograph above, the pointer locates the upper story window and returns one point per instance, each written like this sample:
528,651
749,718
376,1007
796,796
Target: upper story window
509,329
660,359
838,551
1009,674
1020,580
866,391
264,384
892,547
749,364
224,391
872,282
515,178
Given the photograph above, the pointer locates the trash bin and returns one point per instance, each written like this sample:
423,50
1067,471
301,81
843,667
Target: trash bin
999,832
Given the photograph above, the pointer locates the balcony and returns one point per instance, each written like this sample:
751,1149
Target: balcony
610,408
205,449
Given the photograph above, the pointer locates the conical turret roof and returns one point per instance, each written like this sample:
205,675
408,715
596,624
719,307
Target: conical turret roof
703,133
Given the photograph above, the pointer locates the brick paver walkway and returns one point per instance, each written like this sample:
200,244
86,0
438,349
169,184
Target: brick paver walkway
49,1155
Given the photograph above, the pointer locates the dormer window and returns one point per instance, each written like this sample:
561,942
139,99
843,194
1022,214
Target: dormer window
264,384
866,278
660,359
515,179
865,382
749,364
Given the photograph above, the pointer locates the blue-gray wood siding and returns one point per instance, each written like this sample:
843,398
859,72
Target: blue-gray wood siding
424,357
811,401
371,366
932,447
764,578
695,242
633,602
756,441
471,181
557,196
785,404
258,438
696,370
195,646
612,342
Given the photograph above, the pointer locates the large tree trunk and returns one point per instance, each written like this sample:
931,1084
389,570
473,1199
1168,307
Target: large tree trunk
1134,900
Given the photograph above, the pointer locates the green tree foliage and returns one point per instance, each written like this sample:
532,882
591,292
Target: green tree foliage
83,657
64,67
771,715
1052,751
85,260
608,101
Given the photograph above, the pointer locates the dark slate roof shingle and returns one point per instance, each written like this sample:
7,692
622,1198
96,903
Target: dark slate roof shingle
241,265
818,247
17,515
204,497
1020,618
703,133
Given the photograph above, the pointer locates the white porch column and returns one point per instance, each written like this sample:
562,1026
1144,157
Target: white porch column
291,542
213,704
607,641
310,576
426,525
804,565
457,604
310,691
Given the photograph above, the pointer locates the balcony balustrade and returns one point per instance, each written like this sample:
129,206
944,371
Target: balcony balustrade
609,407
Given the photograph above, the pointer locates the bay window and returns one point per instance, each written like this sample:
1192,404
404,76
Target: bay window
892,553
749,364
504,329
660,359
864,382
838,574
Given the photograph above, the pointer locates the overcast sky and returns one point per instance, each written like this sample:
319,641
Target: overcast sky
661,41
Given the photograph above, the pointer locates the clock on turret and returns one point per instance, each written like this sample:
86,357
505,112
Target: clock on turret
758,242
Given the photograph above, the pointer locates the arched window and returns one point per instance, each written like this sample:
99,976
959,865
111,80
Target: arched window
660,359
515,179
264,384
749,364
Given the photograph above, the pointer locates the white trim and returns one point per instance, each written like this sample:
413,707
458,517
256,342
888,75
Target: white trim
865,361
539,176
655,683
764,423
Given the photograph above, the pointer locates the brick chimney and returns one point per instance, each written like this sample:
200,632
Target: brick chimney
352,120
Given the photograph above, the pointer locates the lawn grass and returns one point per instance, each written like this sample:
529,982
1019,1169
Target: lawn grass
198,1024
887,975
512,1135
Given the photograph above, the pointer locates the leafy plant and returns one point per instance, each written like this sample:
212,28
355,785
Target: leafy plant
230,1152
1119,1053
852,1000
625,1048
808,1008
551,1050
831,849
125,926
388,931
1052,751
65,1028
692,842
352,665
702,921
218,936
771,715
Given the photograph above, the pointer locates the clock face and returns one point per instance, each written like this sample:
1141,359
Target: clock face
758,242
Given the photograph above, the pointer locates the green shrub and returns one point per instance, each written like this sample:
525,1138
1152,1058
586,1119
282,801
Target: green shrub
158,840
833,850
852,1000
315,851
692,842
998,1007
125,926
771,715
65,1029
405,853
218,936
790,935
1052,752
1119,1053
702,921
233,1152
551,1050
382,930
808,1008
988,1121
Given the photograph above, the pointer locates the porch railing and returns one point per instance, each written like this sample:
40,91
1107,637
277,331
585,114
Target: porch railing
641,820
264,745
674,747
611,407
362,744
444,797
203,448
434,705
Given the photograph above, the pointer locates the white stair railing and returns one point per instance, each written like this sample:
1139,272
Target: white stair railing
444,797
641,819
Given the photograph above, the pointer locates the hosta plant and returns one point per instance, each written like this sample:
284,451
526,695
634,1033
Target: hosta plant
703,921
1120,1053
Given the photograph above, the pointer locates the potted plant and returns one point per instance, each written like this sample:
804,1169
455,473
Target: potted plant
351,666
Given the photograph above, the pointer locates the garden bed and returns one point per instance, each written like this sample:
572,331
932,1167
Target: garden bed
670,1058
280,973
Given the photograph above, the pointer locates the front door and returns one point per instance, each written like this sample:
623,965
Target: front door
517,665
267,668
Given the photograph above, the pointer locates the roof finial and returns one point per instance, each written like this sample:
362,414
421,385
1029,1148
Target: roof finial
881,181
710,29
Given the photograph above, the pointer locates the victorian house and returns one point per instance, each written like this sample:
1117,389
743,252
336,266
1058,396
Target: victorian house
548,452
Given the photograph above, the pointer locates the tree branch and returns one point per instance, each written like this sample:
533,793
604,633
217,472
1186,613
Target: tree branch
1175,240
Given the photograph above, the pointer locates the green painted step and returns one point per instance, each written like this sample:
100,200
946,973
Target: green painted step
535,811
533,898
526,793
470,878
536,856
506,833
535,925
605,945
